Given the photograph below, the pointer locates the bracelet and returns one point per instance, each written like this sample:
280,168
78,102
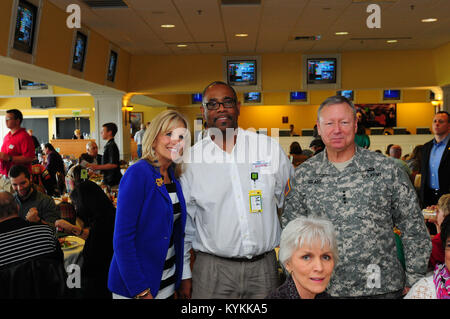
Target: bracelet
146,292
81,232
10,158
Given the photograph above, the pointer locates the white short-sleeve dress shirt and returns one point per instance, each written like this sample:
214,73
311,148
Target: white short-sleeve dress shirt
217,186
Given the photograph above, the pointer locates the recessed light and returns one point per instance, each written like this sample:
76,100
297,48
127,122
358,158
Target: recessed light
167,25
181,45
392,41
241,35
341,33
429,20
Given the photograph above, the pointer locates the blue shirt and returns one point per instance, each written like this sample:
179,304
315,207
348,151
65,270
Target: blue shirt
435,159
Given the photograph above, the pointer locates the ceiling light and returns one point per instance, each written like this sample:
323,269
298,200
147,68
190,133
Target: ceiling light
181,45
241,35
167,25
392,41
341,33
429,20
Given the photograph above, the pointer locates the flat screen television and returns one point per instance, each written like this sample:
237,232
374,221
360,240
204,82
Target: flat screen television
112,65
321,70
242,72
252,97
348,94
299,96
197,98
43,102
25,26
30,85
79,51
391,95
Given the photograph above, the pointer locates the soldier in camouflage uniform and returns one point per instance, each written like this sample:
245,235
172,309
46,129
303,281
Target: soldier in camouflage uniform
365,195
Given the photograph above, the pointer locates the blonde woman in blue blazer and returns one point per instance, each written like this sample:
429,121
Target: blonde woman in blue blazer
151,216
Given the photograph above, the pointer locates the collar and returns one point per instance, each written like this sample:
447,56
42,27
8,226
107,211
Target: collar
444,141
16,132
326,165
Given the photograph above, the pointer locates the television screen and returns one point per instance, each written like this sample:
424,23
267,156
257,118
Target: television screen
391,95
241,72
30,85
252,97
25,26
112,66
197,98
43,102
321,70
79,51
299,96
348,94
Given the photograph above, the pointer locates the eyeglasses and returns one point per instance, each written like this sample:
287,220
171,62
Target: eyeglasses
214,105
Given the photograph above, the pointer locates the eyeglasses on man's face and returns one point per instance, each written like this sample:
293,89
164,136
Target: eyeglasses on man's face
214,105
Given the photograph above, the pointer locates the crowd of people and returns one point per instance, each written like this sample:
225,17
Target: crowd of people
234,217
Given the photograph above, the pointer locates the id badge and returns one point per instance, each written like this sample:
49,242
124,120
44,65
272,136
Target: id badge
255,200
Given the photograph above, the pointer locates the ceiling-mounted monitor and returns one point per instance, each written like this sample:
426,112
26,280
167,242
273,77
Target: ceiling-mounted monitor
321,71
392,95
79,52
243,73
43,102
112,65
25,26
298,96
31,85
196,98
252,98
348,94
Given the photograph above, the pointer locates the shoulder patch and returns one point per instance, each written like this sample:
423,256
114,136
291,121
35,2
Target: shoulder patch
287,188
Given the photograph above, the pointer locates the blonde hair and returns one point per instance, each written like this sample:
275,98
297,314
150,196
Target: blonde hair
162,123
444,204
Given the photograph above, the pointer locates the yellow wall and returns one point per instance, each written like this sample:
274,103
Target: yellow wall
96,58
387,69
442,64
55,40
283,72
149,112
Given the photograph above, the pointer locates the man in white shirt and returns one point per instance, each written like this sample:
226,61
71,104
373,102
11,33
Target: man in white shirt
234,187
138,137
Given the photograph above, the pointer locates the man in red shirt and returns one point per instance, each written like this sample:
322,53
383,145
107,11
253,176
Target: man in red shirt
17,148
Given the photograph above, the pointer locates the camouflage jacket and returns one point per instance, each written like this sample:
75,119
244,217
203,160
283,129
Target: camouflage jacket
364,201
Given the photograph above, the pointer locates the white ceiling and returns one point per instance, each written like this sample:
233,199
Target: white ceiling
208,27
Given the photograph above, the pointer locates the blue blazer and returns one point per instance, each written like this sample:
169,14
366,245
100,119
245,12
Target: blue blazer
143,227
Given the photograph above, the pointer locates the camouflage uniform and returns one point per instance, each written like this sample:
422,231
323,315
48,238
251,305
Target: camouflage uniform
364,202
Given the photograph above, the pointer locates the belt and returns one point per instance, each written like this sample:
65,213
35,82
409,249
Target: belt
242,259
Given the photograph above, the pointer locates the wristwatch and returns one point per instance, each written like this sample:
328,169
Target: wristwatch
143,294
10,158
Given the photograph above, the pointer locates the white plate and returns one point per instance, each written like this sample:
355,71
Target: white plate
74,242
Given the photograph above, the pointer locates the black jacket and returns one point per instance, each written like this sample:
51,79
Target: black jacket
30,274
444,170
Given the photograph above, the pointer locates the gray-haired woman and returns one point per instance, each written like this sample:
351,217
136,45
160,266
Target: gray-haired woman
308,252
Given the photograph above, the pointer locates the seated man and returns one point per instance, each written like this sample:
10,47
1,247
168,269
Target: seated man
91,155
34,206
31,260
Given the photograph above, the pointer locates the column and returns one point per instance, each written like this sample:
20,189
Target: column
446,98
108,108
